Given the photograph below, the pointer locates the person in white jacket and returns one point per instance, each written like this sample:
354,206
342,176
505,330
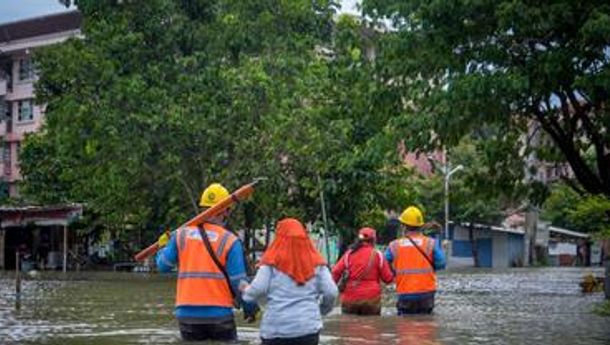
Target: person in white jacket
296,286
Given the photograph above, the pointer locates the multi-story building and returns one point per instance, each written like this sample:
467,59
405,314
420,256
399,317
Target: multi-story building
19,113
538,169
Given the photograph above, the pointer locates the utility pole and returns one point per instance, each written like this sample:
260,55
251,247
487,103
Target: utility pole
326,227
447,176
531,230
606,262
17,279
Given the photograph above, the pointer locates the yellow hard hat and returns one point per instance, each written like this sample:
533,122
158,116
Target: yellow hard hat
212,195
412,216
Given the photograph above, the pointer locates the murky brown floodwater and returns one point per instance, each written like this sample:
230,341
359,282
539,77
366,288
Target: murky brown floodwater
521,306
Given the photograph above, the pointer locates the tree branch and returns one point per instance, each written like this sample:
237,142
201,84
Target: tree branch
189,193
584,174
593,133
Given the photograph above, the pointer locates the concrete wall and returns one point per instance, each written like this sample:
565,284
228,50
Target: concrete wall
500,249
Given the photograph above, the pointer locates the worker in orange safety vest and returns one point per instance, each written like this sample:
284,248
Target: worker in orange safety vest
415,258
211,266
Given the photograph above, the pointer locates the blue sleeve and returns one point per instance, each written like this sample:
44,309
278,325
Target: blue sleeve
167,257
439,256
388,255
236,268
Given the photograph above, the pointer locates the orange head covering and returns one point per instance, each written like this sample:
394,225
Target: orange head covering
292,252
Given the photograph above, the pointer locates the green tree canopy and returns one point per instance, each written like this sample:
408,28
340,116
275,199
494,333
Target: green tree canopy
160,98
515,66
566,208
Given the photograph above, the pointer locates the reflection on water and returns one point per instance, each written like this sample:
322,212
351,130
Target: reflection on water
500,307
358,330
417,331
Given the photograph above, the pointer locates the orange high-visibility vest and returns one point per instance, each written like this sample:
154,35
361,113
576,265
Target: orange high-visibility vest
414,274
200,281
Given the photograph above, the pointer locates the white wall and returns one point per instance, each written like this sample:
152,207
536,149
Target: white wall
499,248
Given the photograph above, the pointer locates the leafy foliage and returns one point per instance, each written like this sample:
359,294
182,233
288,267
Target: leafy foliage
514,66
160,98
586,213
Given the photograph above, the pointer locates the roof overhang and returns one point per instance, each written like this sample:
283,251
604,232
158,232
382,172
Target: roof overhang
57,215
568,233
517,231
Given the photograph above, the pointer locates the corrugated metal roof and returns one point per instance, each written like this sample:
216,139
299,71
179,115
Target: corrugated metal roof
39,26
518,231
20,216
40,208
568,232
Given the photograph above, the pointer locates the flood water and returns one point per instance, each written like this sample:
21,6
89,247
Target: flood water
518,306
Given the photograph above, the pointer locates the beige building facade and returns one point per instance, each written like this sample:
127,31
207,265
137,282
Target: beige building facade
19,113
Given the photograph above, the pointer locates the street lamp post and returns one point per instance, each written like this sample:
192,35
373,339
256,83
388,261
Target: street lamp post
448,174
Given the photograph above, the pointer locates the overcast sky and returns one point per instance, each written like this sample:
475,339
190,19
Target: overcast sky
11,10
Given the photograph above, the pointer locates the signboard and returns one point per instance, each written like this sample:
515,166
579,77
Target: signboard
596,254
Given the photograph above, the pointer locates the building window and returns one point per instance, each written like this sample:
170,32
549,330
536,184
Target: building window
8,113
4,112
26,69
26,112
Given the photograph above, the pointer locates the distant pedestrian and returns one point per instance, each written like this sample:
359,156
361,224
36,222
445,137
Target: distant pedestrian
359,272
415,258
296,285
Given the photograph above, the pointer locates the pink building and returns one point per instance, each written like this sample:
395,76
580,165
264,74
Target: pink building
421,162
18,112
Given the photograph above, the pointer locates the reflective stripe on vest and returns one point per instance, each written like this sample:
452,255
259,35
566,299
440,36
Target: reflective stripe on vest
413,272
379,255
205,275
200,281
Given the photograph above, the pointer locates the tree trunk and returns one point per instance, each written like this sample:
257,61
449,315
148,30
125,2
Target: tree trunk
473,245
249,237
531,229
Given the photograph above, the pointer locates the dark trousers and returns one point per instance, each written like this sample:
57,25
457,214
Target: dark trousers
420,306
364,307
310,339
222,331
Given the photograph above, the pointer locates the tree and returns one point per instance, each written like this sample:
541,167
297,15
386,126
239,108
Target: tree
335,132
516,65
161,98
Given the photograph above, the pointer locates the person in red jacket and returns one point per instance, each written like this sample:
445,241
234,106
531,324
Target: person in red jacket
365,267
